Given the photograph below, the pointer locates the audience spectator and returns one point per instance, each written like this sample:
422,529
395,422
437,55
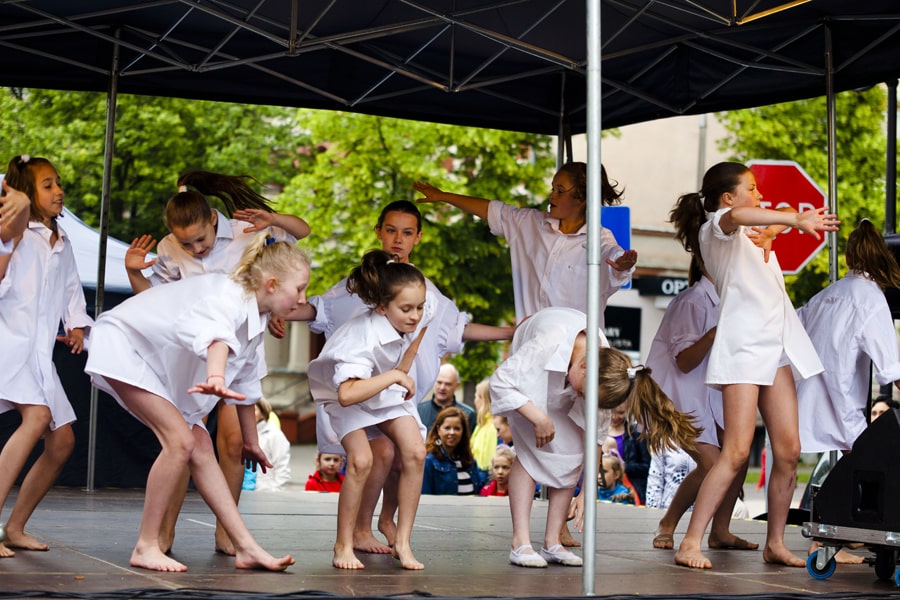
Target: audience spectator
504,435
484,437
328,476
609,480
276,447
444,396
449,466
880,406
501,464
667,470
632,450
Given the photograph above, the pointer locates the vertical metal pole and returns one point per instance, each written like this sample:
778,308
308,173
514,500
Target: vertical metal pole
830,102
701,152
890,174
111,99
589,486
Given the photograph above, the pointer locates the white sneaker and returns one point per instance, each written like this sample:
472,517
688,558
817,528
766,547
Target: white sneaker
558,554
531,559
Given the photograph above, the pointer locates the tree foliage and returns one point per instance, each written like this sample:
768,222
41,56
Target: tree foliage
797,131
362,163
156,140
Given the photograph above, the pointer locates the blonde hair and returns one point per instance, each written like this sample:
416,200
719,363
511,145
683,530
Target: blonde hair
662,426
264,257
484,411
504,452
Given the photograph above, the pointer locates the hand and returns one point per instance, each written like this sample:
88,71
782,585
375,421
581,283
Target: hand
215,386
406,381
627,260
430,192
816,220
259,219
544,432
762,237
74,339
276,327
136,255
251,456
15,208
576,511
627,497
406,361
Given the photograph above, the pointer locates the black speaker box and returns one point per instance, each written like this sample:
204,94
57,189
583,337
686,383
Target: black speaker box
863,488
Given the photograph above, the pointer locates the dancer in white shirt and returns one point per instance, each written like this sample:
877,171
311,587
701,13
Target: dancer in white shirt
149,353
39,286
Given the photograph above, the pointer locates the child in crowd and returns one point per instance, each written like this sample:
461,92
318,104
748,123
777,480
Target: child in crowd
501,465
328,476
609,480
504,435
757,342
151,351
276,447
450,468
357,380
484,438
540,388
39,285
204,240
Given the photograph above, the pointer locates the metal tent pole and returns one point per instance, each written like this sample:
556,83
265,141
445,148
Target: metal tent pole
589,485
111,99
830,101
890,173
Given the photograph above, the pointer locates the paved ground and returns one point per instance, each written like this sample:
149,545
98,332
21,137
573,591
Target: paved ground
463,542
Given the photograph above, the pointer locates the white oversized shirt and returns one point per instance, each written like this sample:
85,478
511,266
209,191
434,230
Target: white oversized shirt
850,324
550,267
757,322
40,289
277,449
536,371
364,346
157,340
688,317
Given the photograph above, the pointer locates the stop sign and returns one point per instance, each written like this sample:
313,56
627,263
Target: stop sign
785,183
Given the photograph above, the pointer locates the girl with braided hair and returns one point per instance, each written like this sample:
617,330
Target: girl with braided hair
152,365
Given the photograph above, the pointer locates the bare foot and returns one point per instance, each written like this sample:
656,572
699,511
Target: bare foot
23,541
223,543
257,558
566,539
690,556
365,541
153,558
5,552
406,558
729,541
388,529
344,558
780,555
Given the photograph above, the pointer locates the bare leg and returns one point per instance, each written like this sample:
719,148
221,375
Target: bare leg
212,486
389,500
363,538
720,536
229,443
566,539
521,498
35,421
359,464
739,403
404,431
557,509
170,518
58,445
778,408
705,457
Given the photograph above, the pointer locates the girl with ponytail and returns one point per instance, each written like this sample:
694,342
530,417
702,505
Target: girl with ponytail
758,339
167,355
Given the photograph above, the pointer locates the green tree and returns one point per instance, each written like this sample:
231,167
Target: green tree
364,162
797,131
156,140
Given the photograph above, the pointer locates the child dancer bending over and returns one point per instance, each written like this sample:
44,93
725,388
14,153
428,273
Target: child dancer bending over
540,388
151,364
39,285
758,338
203,240
361,387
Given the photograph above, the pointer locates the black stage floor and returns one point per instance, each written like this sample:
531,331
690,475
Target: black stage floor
464,543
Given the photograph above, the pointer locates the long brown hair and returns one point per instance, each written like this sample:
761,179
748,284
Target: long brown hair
379,278
190,206
868,252
20,176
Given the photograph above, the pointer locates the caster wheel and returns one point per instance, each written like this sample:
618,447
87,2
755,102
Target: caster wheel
815,572
885,560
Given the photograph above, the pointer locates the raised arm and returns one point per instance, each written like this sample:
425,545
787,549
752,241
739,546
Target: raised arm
136,261
470,204
261,219
808,221
476,332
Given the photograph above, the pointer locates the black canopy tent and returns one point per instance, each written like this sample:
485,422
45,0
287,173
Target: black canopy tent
511,64
506,64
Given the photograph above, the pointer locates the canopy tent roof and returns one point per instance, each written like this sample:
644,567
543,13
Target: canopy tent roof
508,64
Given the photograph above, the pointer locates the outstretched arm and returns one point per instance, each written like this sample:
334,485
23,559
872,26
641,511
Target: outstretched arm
476,332
470,204
261,219
808,221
